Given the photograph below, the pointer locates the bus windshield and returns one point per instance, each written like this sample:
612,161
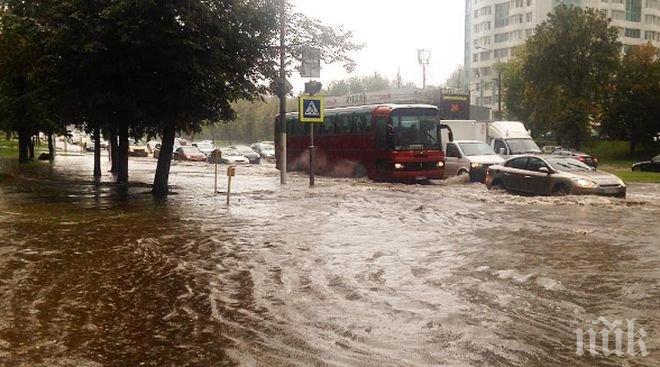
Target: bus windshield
415,129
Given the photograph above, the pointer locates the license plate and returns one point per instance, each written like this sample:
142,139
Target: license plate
421,178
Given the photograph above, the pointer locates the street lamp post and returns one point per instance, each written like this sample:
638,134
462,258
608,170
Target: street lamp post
423,56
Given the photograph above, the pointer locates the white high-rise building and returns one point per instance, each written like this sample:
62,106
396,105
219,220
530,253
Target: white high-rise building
494,29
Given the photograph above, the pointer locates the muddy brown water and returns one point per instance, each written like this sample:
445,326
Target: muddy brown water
352,273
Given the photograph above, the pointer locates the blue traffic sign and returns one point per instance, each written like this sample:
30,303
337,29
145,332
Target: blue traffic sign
310,109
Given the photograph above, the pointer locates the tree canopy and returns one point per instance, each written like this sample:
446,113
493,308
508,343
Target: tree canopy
564,69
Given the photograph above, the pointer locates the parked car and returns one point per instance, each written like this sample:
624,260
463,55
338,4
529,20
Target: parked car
205,146
652,165
138,149
230,155
248,153
553,175
189,153
582,157
265,150
469,157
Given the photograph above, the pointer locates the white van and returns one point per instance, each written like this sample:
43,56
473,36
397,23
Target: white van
505,137
469,157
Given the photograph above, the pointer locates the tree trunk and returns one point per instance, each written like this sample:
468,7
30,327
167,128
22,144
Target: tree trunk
51,147
23,146
31,147
97,152
122,156
114,150
164,162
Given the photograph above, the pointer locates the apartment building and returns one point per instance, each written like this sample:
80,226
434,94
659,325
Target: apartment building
495,29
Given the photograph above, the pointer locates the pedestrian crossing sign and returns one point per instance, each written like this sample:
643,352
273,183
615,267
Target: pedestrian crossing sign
310,109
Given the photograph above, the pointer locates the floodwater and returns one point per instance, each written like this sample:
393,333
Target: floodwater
351,273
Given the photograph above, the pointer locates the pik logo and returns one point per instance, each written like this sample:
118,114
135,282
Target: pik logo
628,342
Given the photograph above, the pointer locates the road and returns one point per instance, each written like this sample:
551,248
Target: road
351,273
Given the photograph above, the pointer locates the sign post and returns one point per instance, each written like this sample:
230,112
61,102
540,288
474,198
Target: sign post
310,110
215,158
231,172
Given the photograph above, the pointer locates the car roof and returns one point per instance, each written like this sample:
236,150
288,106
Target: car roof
468,141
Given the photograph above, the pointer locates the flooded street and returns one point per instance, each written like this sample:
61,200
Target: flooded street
351,273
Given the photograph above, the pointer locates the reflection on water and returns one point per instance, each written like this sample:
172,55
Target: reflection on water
350,273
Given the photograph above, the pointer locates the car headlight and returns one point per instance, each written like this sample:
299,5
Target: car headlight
475,165
441,164
584,183
398,165
621,183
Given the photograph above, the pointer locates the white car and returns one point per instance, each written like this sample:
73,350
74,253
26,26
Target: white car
232,156
470,157
205,146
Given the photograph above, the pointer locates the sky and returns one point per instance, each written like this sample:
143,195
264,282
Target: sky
393,31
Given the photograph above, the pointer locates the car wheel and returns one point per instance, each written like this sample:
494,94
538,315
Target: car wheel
560,190
461,172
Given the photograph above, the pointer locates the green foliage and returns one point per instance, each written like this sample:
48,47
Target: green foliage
356,85
335,43
559,84
634,103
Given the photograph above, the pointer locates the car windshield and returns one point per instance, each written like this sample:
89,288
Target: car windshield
189,150
205,146
522,146
568,164
415,129
229,151
477,148
656,158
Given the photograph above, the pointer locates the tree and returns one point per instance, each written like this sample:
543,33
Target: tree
356,85
634,105
567,64
21,107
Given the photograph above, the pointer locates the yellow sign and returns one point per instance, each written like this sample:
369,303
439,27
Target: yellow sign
310,109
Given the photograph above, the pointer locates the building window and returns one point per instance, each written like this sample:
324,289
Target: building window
634,10
633,33
618,14
501,15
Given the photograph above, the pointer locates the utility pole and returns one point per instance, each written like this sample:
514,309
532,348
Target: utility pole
282,93
398,78
499,94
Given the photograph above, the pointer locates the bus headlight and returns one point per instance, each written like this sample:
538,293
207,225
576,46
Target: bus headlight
398,165
475,165
441,164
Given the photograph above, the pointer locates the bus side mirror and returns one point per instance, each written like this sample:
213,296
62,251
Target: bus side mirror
451,135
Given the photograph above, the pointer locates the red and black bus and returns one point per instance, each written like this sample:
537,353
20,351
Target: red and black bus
396,142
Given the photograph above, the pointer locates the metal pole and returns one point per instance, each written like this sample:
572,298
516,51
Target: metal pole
499,95
215,187
311,155
481,92
423,76
282,93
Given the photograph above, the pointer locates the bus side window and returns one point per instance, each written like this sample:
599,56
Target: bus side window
362,121
381,132
328,125
345,122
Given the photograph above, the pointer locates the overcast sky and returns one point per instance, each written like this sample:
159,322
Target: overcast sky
392,31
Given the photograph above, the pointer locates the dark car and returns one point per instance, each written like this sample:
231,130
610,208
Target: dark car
553,175
189,153
652,165
248,153
580,156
